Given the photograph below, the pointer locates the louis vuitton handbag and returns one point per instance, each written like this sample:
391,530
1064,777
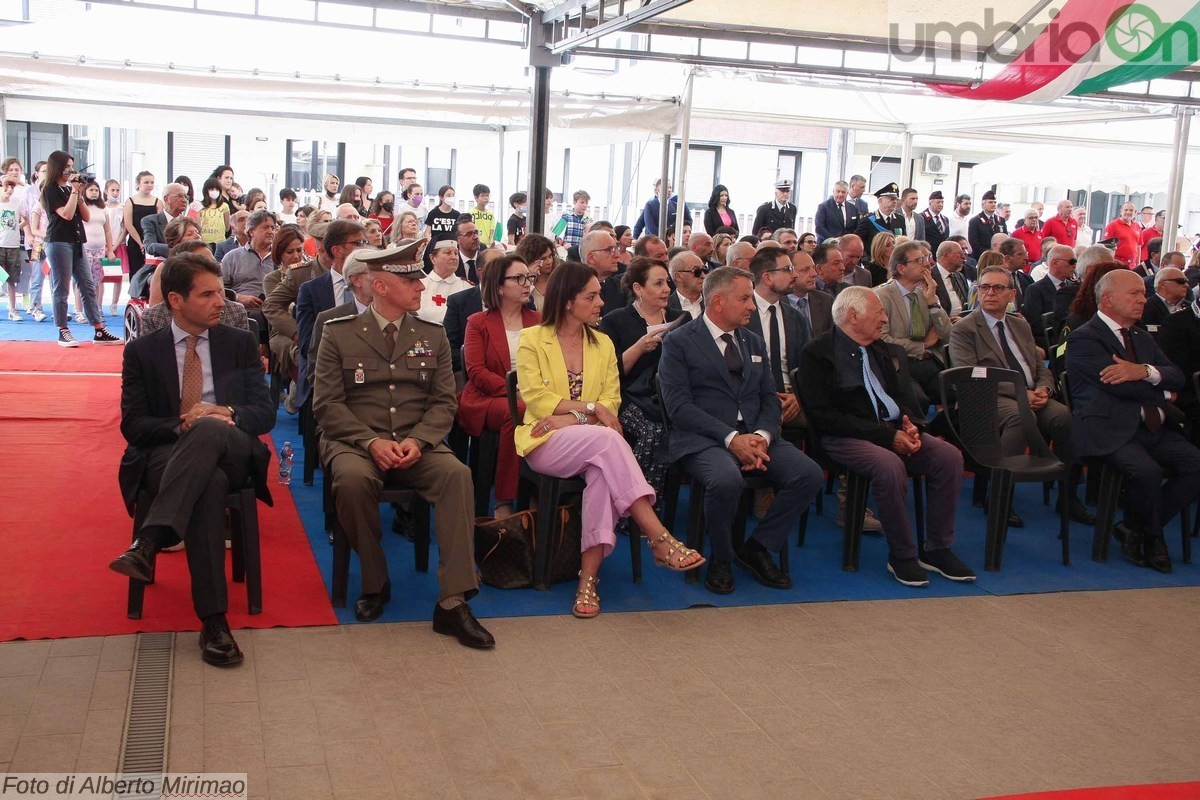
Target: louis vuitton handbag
505,548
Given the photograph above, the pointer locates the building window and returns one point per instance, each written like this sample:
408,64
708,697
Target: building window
32,142
884,170
703,173
196,155
788,167
308,161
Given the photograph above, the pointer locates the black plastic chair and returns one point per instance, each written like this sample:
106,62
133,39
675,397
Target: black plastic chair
341,544
243,548
311,438
977,390
551,492
696,524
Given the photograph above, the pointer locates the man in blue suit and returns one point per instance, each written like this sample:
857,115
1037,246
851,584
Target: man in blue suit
342,237
648,222
837,215
1119,385
779,324
718,389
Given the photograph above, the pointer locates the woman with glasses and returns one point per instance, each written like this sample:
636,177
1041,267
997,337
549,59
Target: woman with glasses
538,252
881,255
489,352
637,332
808,243
569,381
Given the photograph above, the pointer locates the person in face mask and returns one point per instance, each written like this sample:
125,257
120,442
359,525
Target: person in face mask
519,219
330,198
214,214
382,209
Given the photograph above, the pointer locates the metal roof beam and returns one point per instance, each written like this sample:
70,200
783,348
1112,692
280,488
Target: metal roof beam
648,10
562,10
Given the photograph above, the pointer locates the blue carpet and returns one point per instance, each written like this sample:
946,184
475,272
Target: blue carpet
30,331
1032,563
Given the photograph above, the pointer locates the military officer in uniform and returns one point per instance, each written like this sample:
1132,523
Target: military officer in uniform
777,213
384,397
984,225
937,226
885,219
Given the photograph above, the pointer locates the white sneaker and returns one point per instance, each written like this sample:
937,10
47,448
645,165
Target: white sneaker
80,317
13,316
65,339
38,315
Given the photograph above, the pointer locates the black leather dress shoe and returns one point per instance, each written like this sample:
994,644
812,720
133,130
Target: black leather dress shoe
460,623
402,522
138,561
763,567
217,646
1079,512
1157,557
1014,519
1120,531
1131,547
719,577
370,605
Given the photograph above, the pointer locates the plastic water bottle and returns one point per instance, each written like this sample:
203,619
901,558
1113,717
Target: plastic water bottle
285,463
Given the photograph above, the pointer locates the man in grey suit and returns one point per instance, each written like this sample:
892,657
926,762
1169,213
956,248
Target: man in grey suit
715,378
175,202
916,320
815,307
853,272
990,337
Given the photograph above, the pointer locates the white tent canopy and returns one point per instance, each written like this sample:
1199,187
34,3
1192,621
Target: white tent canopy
1101,169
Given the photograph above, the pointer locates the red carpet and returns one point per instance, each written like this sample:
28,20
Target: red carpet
49,357
1154,791
63,519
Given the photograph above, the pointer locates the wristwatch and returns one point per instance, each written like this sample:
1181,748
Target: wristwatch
591,409
1147,366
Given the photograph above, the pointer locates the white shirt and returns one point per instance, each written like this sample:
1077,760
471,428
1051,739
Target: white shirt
717,333
514,338
207,393
287,219
956,307
993,324
958,225
692,308
437,291
764,317
910,225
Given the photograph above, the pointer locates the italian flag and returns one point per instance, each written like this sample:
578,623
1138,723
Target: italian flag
1095,45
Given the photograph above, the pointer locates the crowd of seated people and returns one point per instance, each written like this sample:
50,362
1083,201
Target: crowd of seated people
743,342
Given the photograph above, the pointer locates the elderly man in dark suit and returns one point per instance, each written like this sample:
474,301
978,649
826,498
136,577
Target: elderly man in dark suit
1169,297
1119,382
175,203
717,386
193,404
864,408
990,337
836,215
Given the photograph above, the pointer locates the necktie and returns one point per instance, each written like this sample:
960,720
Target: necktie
941,223
389,336
776,350
916,321
960,287
733,359
802,306
1013,362
193,377
845,218
885,406
471,274
347,293
1150,413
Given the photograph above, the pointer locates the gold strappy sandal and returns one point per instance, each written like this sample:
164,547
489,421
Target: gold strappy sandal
677,555
587,598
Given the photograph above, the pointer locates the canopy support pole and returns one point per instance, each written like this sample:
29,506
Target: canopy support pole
906,171
664,187
1183,125
539,148
686,138
4,127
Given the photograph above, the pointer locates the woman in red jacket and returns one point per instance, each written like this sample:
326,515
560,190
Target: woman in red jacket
489,352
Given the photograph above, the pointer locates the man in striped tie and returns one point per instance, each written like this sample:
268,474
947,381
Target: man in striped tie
193,404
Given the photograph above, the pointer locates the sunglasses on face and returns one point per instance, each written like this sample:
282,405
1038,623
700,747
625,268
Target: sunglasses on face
698,272
1180,281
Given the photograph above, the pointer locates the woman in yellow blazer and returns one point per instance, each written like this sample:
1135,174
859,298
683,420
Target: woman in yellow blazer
567,374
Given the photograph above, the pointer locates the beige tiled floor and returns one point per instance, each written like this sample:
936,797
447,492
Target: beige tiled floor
925,698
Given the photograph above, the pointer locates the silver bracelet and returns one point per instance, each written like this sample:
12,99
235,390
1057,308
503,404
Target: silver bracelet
580,417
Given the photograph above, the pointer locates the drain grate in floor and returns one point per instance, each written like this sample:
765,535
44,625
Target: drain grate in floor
144,747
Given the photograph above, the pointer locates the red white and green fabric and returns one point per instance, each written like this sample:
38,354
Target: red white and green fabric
1111,43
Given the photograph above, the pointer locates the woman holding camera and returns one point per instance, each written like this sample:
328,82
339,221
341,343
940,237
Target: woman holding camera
66,215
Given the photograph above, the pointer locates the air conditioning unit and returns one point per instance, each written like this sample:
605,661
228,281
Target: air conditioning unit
937,163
